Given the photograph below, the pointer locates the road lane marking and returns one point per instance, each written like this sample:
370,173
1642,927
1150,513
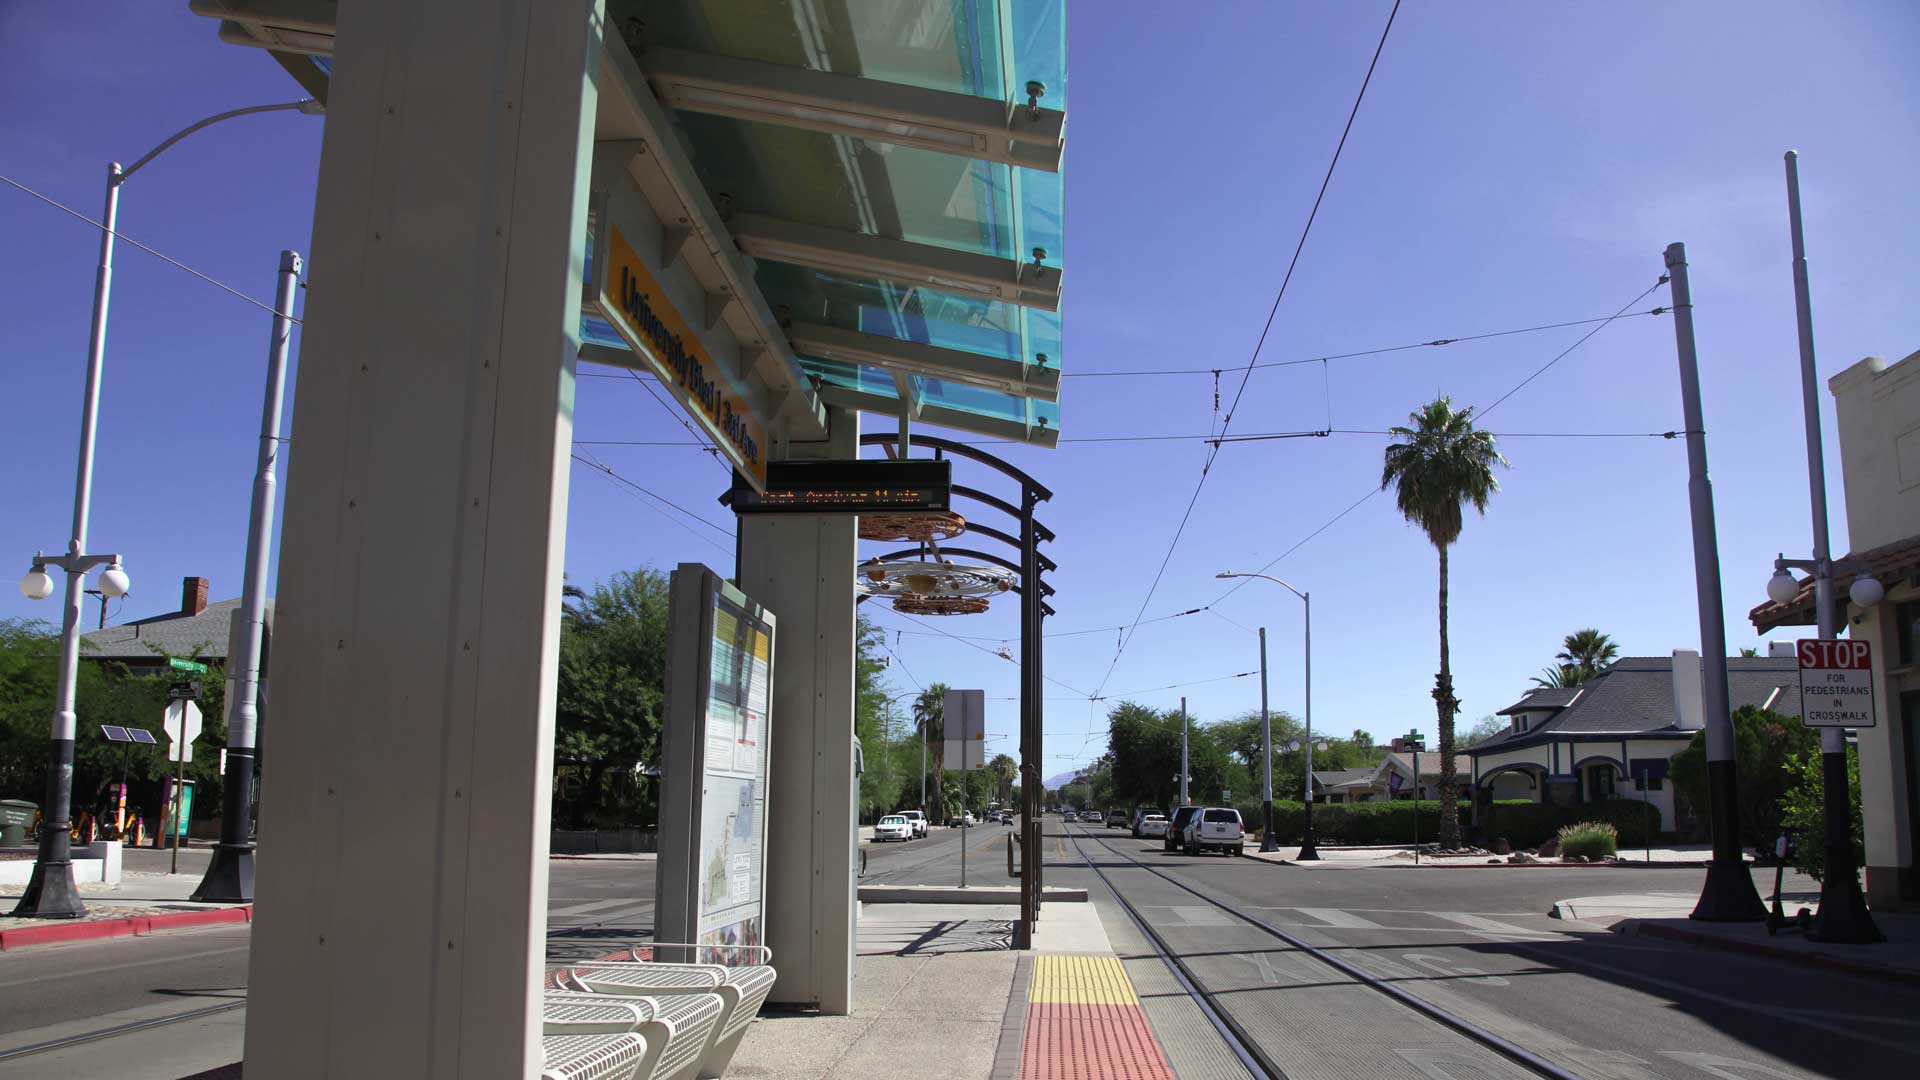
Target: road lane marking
1336,917
1491,926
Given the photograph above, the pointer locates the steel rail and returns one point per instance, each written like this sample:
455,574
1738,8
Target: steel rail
1505,1048
118,1029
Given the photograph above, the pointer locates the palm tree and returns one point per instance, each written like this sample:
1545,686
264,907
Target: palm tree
929,717
1005,769
1589,650
1563,677
1437,466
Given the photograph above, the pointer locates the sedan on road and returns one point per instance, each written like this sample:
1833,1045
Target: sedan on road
892,827
1154,825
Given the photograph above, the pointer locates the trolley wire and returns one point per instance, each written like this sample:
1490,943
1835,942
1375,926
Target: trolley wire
1267,328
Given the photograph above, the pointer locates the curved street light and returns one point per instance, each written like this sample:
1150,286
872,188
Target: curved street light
51,892
1267,843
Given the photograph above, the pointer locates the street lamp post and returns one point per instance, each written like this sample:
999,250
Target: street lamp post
1267,842
51,893
1308,853
1843,914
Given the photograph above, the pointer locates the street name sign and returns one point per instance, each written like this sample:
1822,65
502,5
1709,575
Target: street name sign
177,713
194,666
1836,683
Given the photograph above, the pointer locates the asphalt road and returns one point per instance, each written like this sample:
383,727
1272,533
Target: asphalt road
1478,943
935,858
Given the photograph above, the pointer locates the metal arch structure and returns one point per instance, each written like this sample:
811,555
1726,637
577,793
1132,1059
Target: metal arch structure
1033,591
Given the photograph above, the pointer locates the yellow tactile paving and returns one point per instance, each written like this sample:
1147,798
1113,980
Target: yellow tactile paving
1080,980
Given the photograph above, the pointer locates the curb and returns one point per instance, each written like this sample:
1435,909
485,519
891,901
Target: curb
100,929
953,894
1640,928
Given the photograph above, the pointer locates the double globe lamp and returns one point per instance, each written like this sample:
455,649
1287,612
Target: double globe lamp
38,584
1865,591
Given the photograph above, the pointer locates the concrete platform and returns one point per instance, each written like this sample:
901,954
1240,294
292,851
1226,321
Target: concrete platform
972,894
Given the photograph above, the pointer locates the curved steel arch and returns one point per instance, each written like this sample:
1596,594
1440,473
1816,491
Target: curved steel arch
960,449
1040,531
915,553
1011,541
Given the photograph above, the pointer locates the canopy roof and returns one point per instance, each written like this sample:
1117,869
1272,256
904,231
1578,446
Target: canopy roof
889,168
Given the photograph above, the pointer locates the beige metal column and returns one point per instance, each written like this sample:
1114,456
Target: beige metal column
801,568
404,818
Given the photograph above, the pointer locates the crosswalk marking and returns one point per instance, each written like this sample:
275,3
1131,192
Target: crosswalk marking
1336,917
1492,926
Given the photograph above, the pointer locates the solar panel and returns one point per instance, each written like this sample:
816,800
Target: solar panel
141,735
115,734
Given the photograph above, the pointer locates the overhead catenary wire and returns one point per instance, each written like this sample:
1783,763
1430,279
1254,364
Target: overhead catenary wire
1433,343
1247,373
608,472
168,259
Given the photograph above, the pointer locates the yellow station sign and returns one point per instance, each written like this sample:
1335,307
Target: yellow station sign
632,300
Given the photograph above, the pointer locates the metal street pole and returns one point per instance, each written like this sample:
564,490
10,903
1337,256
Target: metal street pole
1267,842
1414,744
229,876
177,827
51,893
1728,894
1843,915
1307,851
1184,801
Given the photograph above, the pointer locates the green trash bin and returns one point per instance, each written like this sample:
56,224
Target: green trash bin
16,817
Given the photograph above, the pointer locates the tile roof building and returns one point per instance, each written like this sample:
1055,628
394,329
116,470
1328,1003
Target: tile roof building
199,629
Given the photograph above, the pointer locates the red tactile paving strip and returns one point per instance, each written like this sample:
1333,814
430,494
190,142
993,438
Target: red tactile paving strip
1090,1042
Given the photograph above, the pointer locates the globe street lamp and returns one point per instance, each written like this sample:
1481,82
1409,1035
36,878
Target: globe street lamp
51,892
1307,851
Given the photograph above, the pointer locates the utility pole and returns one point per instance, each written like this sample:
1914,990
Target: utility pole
1184,801
1267,842
1843,914
1728,894
1308,853
229,876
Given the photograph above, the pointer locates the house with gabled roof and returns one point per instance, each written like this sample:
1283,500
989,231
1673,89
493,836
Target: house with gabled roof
1615,735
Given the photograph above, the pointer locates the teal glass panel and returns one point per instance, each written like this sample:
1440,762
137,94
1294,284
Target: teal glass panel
988,403
866,380
1039,46
595,330
952,45
873,306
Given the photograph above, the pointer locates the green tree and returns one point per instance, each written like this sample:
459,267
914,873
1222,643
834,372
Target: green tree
1803,810
1005,770
930,721
1438,466
1483,729
1590,650
612,690
1763,741
1560,677
1361,738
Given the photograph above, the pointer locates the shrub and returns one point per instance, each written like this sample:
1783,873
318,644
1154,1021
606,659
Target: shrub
1589,840
1803,811
1527,824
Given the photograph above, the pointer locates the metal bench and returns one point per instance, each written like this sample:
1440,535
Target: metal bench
675,1030
742,990
591,1057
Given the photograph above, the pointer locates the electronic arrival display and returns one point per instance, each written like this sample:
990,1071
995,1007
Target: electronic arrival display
848,487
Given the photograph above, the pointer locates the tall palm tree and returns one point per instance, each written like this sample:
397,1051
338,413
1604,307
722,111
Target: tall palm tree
1562,677
930,717
1439,465
1589,650
1005,769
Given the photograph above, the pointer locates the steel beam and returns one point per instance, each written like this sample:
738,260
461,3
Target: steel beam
963,273
940,416
933,361
857,107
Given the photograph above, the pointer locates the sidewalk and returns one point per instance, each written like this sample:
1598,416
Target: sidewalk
142,903
938,985
1665,916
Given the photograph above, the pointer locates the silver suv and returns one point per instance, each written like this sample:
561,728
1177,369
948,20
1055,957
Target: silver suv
916,819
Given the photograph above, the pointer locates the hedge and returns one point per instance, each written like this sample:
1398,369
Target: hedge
1522,822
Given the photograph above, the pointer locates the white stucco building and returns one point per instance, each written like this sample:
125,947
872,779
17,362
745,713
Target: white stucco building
1877,406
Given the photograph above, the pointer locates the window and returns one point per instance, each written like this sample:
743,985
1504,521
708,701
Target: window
1223,815
1649,774
1906,617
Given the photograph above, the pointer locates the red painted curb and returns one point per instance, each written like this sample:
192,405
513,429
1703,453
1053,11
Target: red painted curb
1750,948
100,929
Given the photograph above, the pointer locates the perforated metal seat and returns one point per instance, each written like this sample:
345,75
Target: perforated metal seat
591,1057
678,1029
743,989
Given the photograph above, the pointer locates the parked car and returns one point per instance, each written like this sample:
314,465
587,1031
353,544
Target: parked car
1006,816
917,820
892,827
1091,817
1176,825
1215,828
1118,818
1151,825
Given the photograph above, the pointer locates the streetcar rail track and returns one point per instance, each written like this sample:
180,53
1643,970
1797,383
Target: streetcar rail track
1504,1047
117,1030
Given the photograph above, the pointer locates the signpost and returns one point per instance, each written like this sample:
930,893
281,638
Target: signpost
713,793
964,718
1836,683
848,487
182,725
1415,744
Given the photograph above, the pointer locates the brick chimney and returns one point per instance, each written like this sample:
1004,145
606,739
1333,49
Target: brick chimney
193,595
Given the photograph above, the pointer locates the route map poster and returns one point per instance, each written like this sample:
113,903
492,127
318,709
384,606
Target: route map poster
713,804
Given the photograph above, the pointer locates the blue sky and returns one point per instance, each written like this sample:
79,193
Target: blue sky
1510,167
